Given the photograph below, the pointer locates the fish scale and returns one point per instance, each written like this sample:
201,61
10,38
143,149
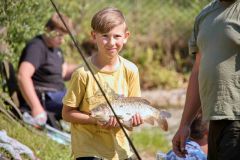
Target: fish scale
126,107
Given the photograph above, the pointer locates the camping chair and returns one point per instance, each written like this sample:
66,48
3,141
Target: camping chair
9,85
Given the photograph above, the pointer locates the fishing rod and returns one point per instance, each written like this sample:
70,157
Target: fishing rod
91,71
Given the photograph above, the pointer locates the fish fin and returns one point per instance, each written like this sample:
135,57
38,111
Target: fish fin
149,120
129,128
144,101
162,122
120,117
101,118
128,125
165,114
134,99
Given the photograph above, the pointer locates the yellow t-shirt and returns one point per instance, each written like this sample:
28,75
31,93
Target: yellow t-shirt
84,94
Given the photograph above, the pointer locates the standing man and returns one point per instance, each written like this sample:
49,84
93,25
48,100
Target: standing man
42,70
215,80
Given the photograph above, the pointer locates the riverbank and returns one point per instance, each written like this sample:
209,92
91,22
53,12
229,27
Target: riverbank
166,98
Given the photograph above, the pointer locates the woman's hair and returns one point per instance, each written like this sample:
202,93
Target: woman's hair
55,23
198,127
106,19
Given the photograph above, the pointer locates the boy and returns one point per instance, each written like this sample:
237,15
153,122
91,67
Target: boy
117,76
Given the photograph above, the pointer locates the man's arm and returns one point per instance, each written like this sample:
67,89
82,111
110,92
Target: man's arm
26,70
67,70
192,106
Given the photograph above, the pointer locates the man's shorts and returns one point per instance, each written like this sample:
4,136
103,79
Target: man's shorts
224,140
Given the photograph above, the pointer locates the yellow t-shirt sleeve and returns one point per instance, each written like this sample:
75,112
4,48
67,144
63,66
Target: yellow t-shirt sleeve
134,84
75,90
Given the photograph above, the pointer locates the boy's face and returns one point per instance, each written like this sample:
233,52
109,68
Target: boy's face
110,44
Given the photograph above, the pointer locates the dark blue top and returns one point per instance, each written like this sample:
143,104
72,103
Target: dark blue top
47,62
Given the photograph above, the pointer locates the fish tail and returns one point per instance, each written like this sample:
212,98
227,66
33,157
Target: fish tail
162,121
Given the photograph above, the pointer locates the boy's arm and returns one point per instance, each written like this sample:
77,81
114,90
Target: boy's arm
192,106
71,114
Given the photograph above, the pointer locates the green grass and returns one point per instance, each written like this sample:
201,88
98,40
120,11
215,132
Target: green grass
150,141
43,147
146,141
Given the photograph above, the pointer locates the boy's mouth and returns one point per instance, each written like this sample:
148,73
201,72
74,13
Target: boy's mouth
111,49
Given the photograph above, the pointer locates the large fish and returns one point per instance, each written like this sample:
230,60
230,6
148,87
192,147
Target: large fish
125,108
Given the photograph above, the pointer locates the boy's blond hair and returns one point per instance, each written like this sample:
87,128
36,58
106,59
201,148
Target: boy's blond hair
106,19
55,23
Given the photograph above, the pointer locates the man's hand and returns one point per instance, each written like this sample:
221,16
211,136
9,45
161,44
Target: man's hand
179,140
41,119
37,110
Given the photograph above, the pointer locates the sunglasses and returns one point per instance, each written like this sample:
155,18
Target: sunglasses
53,34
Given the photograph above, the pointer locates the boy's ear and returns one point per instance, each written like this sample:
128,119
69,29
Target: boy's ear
127,34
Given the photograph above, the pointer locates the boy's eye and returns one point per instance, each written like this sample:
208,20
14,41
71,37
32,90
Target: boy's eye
118,36
104,35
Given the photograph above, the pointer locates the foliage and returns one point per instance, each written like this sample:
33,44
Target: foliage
146,141
150,141
158,27
23,19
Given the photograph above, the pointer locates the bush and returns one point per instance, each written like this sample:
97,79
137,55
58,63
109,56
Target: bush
159,28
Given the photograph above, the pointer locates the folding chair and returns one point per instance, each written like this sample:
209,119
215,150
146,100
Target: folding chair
9,85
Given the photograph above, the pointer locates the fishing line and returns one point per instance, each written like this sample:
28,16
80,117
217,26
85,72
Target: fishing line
104,95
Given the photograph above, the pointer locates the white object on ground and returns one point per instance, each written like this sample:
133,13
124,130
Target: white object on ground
14,147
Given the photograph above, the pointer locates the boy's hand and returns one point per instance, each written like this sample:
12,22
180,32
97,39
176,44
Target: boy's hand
112,123
136,120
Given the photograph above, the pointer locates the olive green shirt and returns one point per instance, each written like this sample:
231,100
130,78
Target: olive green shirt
216,35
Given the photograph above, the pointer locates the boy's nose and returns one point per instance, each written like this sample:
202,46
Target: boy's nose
111,41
